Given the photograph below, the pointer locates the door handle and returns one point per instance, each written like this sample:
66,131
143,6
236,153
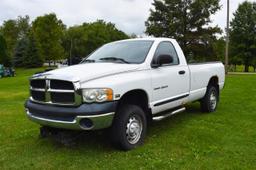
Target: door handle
182,72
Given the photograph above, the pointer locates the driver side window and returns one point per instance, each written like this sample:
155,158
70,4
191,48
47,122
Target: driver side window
166,48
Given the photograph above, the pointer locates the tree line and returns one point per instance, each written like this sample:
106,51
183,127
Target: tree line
30,44
26,44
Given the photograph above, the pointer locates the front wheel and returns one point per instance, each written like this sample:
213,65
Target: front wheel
210,101
129,127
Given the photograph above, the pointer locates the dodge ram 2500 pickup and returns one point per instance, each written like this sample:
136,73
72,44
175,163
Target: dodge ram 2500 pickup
123,86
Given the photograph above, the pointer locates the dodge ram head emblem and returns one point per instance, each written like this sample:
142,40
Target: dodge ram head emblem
47,85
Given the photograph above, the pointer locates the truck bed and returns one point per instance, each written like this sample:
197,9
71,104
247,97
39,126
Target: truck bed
200,74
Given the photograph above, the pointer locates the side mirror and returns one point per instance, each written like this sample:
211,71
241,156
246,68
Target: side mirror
162,60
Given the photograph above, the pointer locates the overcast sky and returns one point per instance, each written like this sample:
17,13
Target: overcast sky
128,15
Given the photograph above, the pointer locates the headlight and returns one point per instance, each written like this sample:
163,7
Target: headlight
97,95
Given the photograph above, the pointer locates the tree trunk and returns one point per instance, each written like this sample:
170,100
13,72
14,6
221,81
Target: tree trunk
49,62
246,68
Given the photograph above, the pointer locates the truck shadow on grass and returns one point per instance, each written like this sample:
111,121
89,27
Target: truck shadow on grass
77,139
100,139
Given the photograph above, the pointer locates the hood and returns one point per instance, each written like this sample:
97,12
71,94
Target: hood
89,71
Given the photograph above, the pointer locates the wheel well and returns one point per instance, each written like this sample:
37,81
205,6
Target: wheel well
214,81
139,98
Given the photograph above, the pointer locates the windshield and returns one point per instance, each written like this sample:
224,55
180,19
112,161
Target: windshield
134,52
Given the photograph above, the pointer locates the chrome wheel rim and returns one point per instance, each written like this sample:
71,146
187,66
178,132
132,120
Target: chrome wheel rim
213,100
133,130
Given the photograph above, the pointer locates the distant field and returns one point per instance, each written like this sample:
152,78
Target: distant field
190,140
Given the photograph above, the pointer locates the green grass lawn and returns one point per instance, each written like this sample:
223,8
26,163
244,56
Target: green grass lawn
190,140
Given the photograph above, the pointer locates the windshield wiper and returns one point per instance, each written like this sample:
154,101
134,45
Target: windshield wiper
88,61
114,59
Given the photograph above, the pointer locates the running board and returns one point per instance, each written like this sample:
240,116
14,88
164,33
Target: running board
158,118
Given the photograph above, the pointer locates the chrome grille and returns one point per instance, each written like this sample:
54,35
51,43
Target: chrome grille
57,92
60,84
37,84
62,97
38,95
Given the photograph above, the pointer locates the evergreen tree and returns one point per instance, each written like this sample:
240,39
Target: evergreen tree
19,52
33,57
188,22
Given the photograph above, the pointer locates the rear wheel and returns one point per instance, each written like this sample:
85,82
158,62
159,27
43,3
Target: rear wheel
210,101
129,127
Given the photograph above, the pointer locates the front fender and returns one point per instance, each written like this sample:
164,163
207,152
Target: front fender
123,83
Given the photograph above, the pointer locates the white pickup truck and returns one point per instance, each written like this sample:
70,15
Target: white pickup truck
122,86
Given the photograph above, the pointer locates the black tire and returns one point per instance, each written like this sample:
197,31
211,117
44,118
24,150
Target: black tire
129,119
210,101
45,131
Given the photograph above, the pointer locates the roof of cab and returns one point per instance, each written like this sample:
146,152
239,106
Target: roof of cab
147,39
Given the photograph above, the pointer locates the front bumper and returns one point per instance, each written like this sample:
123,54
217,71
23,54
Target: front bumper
85,117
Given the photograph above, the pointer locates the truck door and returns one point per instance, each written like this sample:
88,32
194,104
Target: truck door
170,82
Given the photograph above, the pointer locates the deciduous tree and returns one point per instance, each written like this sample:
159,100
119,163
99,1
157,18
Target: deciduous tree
188,22
219,48
10,33
24,26
81,40
48,30
4,58
243,34
14,30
